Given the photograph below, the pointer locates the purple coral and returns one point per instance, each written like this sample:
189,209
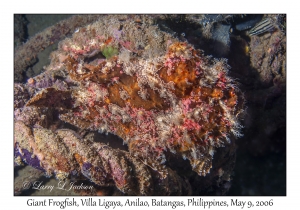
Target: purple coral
28,157
85,169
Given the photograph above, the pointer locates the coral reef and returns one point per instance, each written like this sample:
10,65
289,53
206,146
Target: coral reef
64,153
124,76
268,57
25,55
259,63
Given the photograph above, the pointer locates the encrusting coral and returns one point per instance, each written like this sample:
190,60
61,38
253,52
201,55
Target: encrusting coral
129,78
64,152
26,54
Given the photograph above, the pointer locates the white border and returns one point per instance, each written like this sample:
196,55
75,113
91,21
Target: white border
8,8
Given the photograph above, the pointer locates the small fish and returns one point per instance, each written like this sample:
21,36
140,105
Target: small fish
263,26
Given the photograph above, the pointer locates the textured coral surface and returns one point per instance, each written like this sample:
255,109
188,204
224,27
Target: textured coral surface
125,76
